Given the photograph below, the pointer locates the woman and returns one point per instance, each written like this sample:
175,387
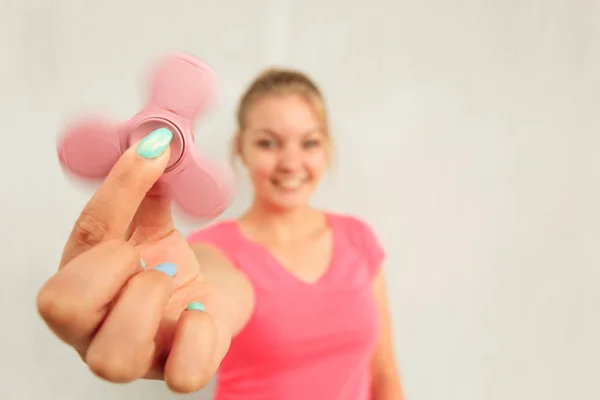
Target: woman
287,302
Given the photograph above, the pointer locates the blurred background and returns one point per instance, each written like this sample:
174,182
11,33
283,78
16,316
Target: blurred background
466,133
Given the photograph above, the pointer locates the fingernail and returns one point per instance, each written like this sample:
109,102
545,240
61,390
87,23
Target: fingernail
155,143
167,268
142,263
194,305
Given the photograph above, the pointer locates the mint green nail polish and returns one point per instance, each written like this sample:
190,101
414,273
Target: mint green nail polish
142,263
155,143
194,305
167,268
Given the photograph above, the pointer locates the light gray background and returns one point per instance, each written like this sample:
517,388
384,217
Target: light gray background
467,133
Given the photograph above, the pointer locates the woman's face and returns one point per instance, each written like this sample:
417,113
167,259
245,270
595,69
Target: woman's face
285,150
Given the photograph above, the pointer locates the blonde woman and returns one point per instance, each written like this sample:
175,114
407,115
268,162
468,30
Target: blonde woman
287,302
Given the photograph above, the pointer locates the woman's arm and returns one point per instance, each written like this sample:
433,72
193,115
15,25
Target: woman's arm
228,300
385,378
229,296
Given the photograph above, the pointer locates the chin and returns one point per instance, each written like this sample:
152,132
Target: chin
288,205
287,201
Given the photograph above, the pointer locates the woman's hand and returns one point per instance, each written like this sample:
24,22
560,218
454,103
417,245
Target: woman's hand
126,321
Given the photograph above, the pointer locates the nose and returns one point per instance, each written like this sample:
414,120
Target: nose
290,158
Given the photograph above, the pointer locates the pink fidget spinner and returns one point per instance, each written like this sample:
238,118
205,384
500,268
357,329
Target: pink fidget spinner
181,87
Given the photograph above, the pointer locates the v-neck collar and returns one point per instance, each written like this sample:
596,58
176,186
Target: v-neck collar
280,268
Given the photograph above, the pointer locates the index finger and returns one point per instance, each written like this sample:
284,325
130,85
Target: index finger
108,213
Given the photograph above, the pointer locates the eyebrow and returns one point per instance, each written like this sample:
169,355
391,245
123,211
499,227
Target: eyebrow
270,132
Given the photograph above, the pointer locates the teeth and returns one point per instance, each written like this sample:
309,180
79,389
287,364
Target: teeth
289,183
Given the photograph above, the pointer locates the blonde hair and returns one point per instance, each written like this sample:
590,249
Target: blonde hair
280,81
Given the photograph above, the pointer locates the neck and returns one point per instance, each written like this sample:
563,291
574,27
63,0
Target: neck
280,225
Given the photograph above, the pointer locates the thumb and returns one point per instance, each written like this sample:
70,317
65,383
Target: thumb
153,218
109,212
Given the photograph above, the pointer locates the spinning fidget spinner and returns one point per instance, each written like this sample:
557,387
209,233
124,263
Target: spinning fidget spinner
180,89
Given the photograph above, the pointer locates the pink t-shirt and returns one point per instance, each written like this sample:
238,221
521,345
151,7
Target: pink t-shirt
304,341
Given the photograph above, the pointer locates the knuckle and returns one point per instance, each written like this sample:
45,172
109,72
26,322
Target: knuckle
57,307
90,230
111,365
190,383
47,304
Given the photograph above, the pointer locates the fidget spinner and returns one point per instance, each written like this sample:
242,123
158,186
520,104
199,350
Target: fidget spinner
181,88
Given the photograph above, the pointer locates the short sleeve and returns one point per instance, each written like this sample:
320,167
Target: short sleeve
214,234
370,245
220,235
202,235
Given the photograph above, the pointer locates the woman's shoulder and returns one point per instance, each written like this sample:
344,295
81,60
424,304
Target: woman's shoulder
359,234
351,223
222,236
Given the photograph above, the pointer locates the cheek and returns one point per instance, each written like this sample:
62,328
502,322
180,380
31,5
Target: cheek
261,166
317,163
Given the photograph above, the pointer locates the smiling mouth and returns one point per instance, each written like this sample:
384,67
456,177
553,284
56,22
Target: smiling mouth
289,183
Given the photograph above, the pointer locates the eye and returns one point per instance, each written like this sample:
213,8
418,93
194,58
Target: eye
266,143
309,144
